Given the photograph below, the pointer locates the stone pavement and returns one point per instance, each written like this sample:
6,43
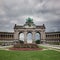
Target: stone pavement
5,47
51,47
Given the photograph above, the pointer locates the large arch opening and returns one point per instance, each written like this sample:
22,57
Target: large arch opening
21,37
29,37
37,37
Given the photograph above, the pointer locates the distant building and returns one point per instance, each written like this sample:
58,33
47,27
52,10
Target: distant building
6,38
53,37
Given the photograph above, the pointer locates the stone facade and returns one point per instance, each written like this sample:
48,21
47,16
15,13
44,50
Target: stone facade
19,29
7,38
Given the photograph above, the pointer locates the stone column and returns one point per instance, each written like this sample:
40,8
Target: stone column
25,37
42,36
33,37
16,36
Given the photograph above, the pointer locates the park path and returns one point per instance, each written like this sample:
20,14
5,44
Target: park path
51,47
5,47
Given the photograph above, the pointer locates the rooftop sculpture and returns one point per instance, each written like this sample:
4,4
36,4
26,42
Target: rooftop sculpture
29,20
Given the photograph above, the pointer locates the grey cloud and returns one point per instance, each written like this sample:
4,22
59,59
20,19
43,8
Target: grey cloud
18,10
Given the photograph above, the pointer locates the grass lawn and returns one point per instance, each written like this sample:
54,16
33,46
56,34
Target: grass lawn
29,55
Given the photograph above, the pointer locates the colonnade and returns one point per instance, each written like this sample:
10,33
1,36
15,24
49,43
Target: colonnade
53,36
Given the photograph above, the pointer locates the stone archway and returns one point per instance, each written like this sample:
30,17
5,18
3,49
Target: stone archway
29,26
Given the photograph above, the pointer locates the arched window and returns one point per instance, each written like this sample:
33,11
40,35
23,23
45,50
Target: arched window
37,37
29,37
21,36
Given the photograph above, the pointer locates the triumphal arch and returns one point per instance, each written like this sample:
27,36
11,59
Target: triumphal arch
29,26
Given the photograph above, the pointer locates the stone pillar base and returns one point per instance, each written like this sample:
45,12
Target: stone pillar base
25,42
33,42
43,41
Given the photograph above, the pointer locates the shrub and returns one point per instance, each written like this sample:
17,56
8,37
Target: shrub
37,41
22,42
0,43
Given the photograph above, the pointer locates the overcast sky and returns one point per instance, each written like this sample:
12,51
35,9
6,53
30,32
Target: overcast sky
42,11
